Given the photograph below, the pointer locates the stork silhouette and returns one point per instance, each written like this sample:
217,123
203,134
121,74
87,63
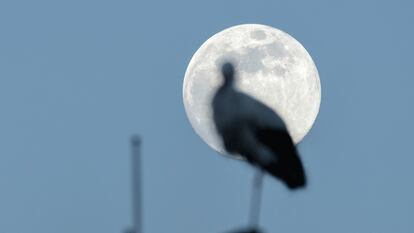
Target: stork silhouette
252,130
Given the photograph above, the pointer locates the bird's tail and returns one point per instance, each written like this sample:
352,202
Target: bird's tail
288,166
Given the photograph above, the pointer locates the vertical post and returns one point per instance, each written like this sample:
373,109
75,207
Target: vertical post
255,201
136,183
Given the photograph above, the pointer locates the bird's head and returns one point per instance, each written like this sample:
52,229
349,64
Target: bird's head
227,70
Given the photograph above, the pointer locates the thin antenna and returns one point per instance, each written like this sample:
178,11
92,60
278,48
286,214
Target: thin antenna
255,201
136,184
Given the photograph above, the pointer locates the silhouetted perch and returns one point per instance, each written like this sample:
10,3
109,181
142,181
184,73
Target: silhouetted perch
136,185
247,230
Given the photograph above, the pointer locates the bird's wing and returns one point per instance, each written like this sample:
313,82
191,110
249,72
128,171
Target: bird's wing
288,166
258,114
270,131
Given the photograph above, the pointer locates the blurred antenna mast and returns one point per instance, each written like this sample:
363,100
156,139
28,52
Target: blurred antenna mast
255,201
136,185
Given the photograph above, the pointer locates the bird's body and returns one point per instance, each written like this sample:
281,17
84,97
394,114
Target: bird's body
253,130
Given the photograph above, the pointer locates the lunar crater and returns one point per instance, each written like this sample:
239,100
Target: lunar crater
258,35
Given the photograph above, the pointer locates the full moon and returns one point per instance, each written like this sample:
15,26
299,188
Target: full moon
270,65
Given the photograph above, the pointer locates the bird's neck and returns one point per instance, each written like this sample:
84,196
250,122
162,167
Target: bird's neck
227,86
228,83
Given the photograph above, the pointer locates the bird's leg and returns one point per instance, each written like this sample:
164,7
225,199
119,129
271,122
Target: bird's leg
255,201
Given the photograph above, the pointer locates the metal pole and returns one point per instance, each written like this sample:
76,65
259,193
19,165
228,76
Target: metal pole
256,197
136,183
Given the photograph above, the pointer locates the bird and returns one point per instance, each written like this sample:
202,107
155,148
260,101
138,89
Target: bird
251,129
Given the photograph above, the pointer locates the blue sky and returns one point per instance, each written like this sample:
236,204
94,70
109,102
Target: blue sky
77,78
